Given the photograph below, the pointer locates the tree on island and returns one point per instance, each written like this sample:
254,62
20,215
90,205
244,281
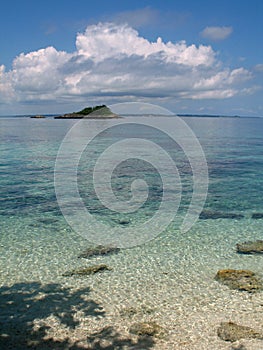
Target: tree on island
88,110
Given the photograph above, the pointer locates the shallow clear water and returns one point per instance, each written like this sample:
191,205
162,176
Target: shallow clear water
173,274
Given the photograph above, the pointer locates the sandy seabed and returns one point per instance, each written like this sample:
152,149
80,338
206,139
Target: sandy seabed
167,282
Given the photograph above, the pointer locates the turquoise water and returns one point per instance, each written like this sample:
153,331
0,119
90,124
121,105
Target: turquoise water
169,279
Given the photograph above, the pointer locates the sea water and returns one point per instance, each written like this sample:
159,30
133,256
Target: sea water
168,279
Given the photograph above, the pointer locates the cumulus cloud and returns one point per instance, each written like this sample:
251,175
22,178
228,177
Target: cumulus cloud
38,72
216,33
114,61
103,41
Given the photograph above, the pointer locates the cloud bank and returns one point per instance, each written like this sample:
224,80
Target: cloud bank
112,62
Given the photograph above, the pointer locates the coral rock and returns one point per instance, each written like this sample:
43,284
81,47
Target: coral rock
84,271
230,331
244,280
250,247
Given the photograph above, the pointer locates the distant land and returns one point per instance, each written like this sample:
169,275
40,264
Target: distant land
38,116
188,115
96,112
210,116
104,112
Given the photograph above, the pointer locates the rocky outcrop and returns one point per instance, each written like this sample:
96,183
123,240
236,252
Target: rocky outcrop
96,112
243,280
230,331
250,247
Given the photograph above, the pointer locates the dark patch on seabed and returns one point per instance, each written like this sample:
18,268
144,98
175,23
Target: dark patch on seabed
213,214
24,304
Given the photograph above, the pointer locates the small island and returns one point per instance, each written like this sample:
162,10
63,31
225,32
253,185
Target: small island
96,112
38,116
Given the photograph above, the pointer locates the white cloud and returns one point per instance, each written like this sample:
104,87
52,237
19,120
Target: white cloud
214,94
138,18
108,40
38,71
216,33
114,62
259,67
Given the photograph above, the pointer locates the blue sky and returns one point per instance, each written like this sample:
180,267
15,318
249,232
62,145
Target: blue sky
203,57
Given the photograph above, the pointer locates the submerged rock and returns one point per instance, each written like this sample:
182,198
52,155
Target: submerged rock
250,247
131,311
230,331
128,311
238,347
146,328
124,221
85,271
257,216
243,280
211,214
99,250
48,221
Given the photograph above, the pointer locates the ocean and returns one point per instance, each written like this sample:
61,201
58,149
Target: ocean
161,274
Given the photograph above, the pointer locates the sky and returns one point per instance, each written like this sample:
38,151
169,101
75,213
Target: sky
192,57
